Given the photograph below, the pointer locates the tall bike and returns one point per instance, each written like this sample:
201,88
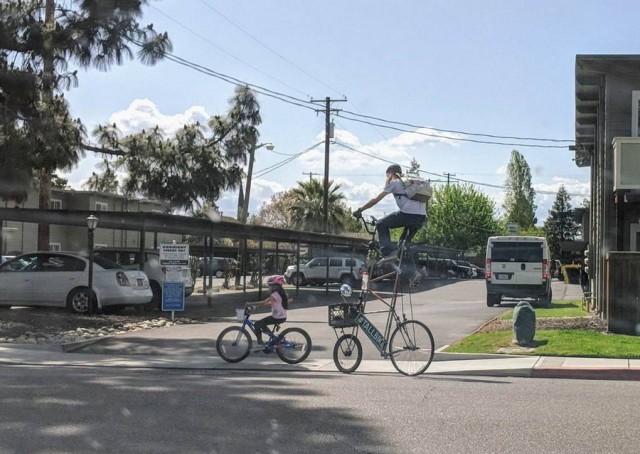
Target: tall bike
234,343
407,342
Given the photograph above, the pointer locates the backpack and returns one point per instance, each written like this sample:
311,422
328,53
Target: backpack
417,188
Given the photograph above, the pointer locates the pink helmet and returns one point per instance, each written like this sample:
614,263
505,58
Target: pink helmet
275,279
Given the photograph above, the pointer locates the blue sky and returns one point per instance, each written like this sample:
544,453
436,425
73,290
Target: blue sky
492,67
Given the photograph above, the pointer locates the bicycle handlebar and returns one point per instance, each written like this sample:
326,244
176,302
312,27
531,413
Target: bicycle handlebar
369,226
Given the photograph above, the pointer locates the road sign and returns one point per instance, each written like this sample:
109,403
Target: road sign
512,228
174,254
173,296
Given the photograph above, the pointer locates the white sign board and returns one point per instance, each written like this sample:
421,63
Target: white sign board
512,228
174,254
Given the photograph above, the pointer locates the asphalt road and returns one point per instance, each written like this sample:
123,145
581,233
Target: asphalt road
112,410
451,309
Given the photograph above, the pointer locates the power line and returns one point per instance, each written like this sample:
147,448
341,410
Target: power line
277,165
461,132
224,51
269,48
451,176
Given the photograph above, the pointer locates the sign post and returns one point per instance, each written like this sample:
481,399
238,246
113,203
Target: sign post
173,257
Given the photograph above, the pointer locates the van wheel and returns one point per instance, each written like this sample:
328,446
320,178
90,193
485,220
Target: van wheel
493,299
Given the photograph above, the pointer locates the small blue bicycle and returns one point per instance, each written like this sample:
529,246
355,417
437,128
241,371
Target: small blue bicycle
234,343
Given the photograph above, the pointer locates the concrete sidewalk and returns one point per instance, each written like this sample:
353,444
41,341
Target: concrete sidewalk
443,364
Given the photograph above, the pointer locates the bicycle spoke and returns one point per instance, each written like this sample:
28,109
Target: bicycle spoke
411,348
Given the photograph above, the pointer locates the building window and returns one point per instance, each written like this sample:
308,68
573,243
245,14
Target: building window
102,206
55,204
635,116
55,247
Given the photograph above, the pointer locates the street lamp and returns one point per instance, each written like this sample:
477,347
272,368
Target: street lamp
92,224
245,202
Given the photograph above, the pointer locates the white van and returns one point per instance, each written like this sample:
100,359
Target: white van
518,267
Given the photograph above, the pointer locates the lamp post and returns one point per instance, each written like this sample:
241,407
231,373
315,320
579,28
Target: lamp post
245,202
243,207
92,223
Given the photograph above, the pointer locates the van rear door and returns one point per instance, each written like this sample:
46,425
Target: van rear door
517,262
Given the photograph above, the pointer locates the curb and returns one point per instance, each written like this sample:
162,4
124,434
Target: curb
586,374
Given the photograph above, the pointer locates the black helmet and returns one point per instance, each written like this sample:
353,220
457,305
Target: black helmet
394,168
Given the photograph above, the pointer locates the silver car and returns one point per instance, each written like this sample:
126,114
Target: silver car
60,279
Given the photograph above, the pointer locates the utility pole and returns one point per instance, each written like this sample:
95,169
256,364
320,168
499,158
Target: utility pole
449,175
311,174
327,137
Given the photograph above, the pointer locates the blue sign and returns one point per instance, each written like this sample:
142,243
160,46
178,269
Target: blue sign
173,296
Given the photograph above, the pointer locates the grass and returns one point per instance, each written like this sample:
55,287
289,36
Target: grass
563,308
578,343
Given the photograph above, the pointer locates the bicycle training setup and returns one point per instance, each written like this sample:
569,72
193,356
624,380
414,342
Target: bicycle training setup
407,342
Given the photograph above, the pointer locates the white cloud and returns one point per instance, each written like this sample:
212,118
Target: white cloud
143,114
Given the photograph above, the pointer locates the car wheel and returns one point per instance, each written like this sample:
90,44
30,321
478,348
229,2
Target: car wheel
78,300
297,279
546,300
219,273
156,300
347,279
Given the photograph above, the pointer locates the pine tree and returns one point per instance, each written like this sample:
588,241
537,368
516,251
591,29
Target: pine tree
519,204
560,225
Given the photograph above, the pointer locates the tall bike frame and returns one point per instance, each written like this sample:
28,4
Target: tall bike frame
406,342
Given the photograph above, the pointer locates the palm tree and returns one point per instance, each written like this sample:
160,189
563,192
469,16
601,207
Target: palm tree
306,210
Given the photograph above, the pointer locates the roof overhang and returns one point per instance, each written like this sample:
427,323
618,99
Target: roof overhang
591,72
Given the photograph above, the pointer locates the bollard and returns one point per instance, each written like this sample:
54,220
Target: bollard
524,324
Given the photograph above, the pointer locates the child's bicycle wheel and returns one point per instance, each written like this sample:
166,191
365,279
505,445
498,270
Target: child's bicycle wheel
233,344
294,345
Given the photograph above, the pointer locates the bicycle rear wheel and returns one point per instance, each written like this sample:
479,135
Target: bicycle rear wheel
347,353
233,344
411,348
294,345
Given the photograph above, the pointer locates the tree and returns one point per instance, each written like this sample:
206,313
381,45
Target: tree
460,217
560,225
307,212
519,204
277,211
38,42
107,181
190,169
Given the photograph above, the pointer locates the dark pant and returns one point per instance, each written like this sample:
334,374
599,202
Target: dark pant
261,325
410,222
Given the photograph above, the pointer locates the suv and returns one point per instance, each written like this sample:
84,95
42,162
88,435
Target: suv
129,258
518,267
345,270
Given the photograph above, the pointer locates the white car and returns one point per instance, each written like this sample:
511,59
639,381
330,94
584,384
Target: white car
60,279
129,258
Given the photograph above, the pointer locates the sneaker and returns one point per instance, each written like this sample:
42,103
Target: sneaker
393,255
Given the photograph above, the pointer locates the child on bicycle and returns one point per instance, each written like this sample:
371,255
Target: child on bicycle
279,302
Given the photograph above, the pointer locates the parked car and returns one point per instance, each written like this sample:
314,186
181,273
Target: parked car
479,272
129,258
220,266
464,269
61,279
518,267
345,270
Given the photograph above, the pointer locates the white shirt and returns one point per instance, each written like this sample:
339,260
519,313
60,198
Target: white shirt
406,205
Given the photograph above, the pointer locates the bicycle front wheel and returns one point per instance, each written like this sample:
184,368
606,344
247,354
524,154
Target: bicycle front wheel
233,344
347,353
294,345
411,348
